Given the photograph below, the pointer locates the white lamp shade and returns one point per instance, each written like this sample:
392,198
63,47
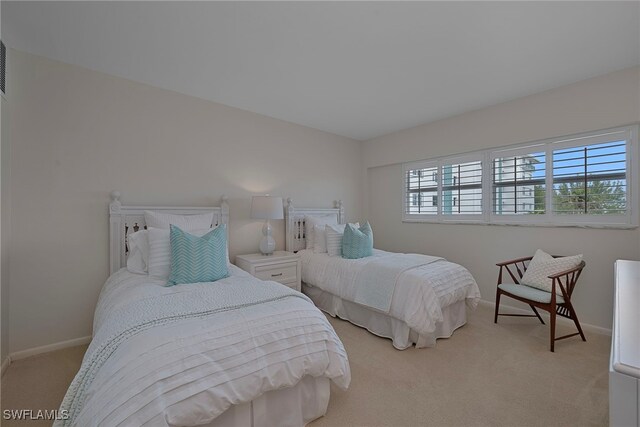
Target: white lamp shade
267,207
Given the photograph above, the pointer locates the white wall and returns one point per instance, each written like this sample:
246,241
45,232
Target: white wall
76,134
4,230
597,103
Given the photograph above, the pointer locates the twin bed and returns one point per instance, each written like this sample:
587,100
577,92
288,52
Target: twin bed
236,352
246,352
416,298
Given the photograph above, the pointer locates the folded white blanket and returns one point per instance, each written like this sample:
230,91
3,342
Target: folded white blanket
376,281
183,355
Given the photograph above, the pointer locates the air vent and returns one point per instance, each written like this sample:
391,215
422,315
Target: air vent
3,67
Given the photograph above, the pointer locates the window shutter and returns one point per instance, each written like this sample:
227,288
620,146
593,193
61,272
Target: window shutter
462,188
421,185
519,184
591,179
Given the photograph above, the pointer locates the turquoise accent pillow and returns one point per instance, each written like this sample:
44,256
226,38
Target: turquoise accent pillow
198,259
357,242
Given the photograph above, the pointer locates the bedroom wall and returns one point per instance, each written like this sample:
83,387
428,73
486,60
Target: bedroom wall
76,134
5,202
597,103
5,231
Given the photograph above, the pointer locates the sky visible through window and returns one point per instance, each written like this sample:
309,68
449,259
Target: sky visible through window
602,159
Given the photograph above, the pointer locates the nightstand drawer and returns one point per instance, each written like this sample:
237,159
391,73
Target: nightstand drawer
285,272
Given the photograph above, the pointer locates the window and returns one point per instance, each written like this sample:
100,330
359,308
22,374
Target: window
590,179
458,194
421,187
585,179
519,183
462,188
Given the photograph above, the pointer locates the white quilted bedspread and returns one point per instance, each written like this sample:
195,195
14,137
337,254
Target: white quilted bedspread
420,293
182,355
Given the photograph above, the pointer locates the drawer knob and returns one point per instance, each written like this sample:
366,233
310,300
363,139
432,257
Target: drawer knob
276,275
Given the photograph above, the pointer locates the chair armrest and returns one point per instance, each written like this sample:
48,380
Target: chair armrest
567,272
513,261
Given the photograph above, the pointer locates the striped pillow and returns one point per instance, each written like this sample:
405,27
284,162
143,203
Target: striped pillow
198,259
333,235
309,227
159,264
357,242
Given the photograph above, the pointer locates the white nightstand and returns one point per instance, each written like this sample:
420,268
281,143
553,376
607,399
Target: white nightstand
282,266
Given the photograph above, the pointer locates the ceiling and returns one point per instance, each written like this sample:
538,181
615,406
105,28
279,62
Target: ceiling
357,69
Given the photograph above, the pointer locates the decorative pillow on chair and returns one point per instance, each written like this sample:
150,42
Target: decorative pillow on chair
543,265
185,222
357,242
198,259
333,236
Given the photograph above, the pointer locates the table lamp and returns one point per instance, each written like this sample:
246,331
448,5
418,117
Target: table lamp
267,207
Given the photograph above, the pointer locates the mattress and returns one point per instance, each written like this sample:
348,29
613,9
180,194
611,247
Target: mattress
193,367
421,294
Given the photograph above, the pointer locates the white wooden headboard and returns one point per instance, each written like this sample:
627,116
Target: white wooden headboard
294,220
124,220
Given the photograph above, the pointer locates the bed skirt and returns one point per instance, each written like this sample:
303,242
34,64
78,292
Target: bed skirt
383,325
294,406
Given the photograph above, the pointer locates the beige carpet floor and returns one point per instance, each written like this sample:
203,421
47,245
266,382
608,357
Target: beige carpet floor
485,375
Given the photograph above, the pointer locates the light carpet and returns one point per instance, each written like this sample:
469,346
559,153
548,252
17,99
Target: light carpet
484,375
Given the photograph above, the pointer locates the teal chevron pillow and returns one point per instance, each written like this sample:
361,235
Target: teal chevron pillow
198,259
357,242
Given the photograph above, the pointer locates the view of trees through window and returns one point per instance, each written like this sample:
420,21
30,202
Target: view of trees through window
590,179
586,180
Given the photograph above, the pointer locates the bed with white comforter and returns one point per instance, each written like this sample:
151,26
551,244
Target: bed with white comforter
410,298
183,355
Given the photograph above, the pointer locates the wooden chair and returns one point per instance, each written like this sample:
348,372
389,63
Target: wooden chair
548,301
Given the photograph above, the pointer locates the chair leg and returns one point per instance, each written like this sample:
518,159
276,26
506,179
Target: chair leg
552,329
537,314
495,317
574,317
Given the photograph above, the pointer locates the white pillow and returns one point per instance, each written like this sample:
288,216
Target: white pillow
311,221
543,265
319,239
160,251
184,222
333,235
138,256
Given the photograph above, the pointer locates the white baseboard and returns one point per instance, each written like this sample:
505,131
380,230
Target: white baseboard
49,347
5,364
585,326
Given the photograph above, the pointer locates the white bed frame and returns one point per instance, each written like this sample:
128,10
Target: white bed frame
294,217
124,220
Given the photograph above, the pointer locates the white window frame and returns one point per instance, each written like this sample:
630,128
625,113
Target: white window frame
462,218
537,219
549,218
423,217
439,216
